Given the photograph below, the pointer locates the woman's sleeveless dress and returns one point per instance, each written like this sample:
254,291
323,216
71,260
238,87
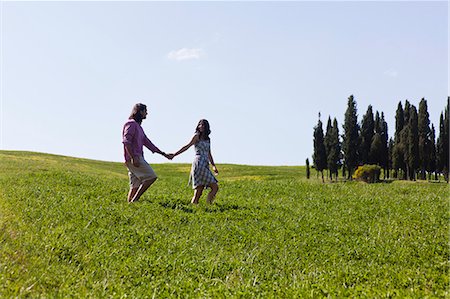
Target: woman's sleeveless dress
201,175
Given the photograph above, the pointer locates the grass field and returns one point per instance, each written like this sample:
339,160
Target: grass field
67,231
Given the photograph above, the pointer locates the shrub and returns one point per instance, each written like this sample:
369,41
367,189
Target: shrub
368,173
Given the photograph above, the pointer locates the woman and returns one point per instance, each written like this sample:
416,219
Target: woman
201,176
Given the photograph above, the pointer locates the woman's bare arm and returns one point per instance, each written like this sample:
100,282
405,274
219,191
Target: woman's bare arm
187,146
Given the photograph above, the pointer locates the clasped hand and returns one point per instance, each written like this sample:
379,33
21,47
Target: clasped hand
169,156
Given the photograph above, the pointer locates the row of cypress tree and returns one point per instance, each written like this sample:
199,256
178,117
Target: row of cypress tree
413,152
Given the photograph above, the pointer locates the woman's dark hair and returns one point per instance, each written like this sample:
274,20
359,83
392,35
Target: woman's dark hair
135,113
205,134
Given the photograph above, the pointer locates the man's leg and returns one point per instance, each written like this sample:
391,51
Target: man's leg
142,188
134,185
132,193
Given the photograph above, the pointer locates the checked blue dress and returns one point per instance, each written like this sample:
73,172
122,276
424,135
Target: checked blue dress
201,175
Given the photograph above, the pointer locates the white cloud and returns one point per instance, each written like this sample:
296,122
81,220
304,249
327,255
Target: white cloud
391,73
185,54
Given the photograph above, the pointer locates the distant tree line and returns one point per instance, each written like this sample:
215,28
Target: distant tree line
412,153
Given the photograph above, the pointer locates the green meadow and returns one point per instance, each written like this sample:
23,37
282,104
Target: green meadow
66,230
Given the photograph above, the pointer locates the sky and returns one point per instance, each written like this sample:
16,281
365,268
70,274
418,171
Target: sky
259,72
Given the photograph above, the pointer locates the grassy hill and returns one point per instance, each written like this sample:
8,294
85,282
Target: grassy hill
66,230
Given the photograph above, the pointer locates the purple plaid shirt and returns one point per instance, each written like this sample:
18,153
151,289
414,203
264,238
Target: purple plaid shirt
134,135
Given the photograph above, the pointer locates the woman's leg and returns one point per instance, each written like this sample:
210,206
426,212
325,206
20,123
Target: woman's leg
212,194
197,193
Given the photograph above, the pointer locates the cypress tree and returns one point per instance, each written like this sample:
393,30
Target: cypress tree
399,120
412,144
446,140
338,146
390,151
431,167
328,144
308,171
375,156
424,138
367,133
398,150
376,149
407,112
404,137
320,155
350,142
442,144
334,153
403,145
377,125
384,159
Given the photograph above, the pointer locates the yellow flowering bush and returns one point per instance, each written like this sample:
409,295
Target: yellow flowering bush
368,173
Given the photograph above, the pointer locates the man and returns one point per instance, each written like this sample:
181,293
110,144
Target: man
140,172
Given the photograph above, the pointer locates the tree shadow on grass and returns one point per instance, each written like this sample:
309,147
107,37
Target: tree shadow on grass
386,181
219,208
188,208
213,208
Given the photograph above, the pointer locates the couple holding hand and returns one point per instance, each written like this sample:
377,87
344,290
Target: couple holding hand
141,173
